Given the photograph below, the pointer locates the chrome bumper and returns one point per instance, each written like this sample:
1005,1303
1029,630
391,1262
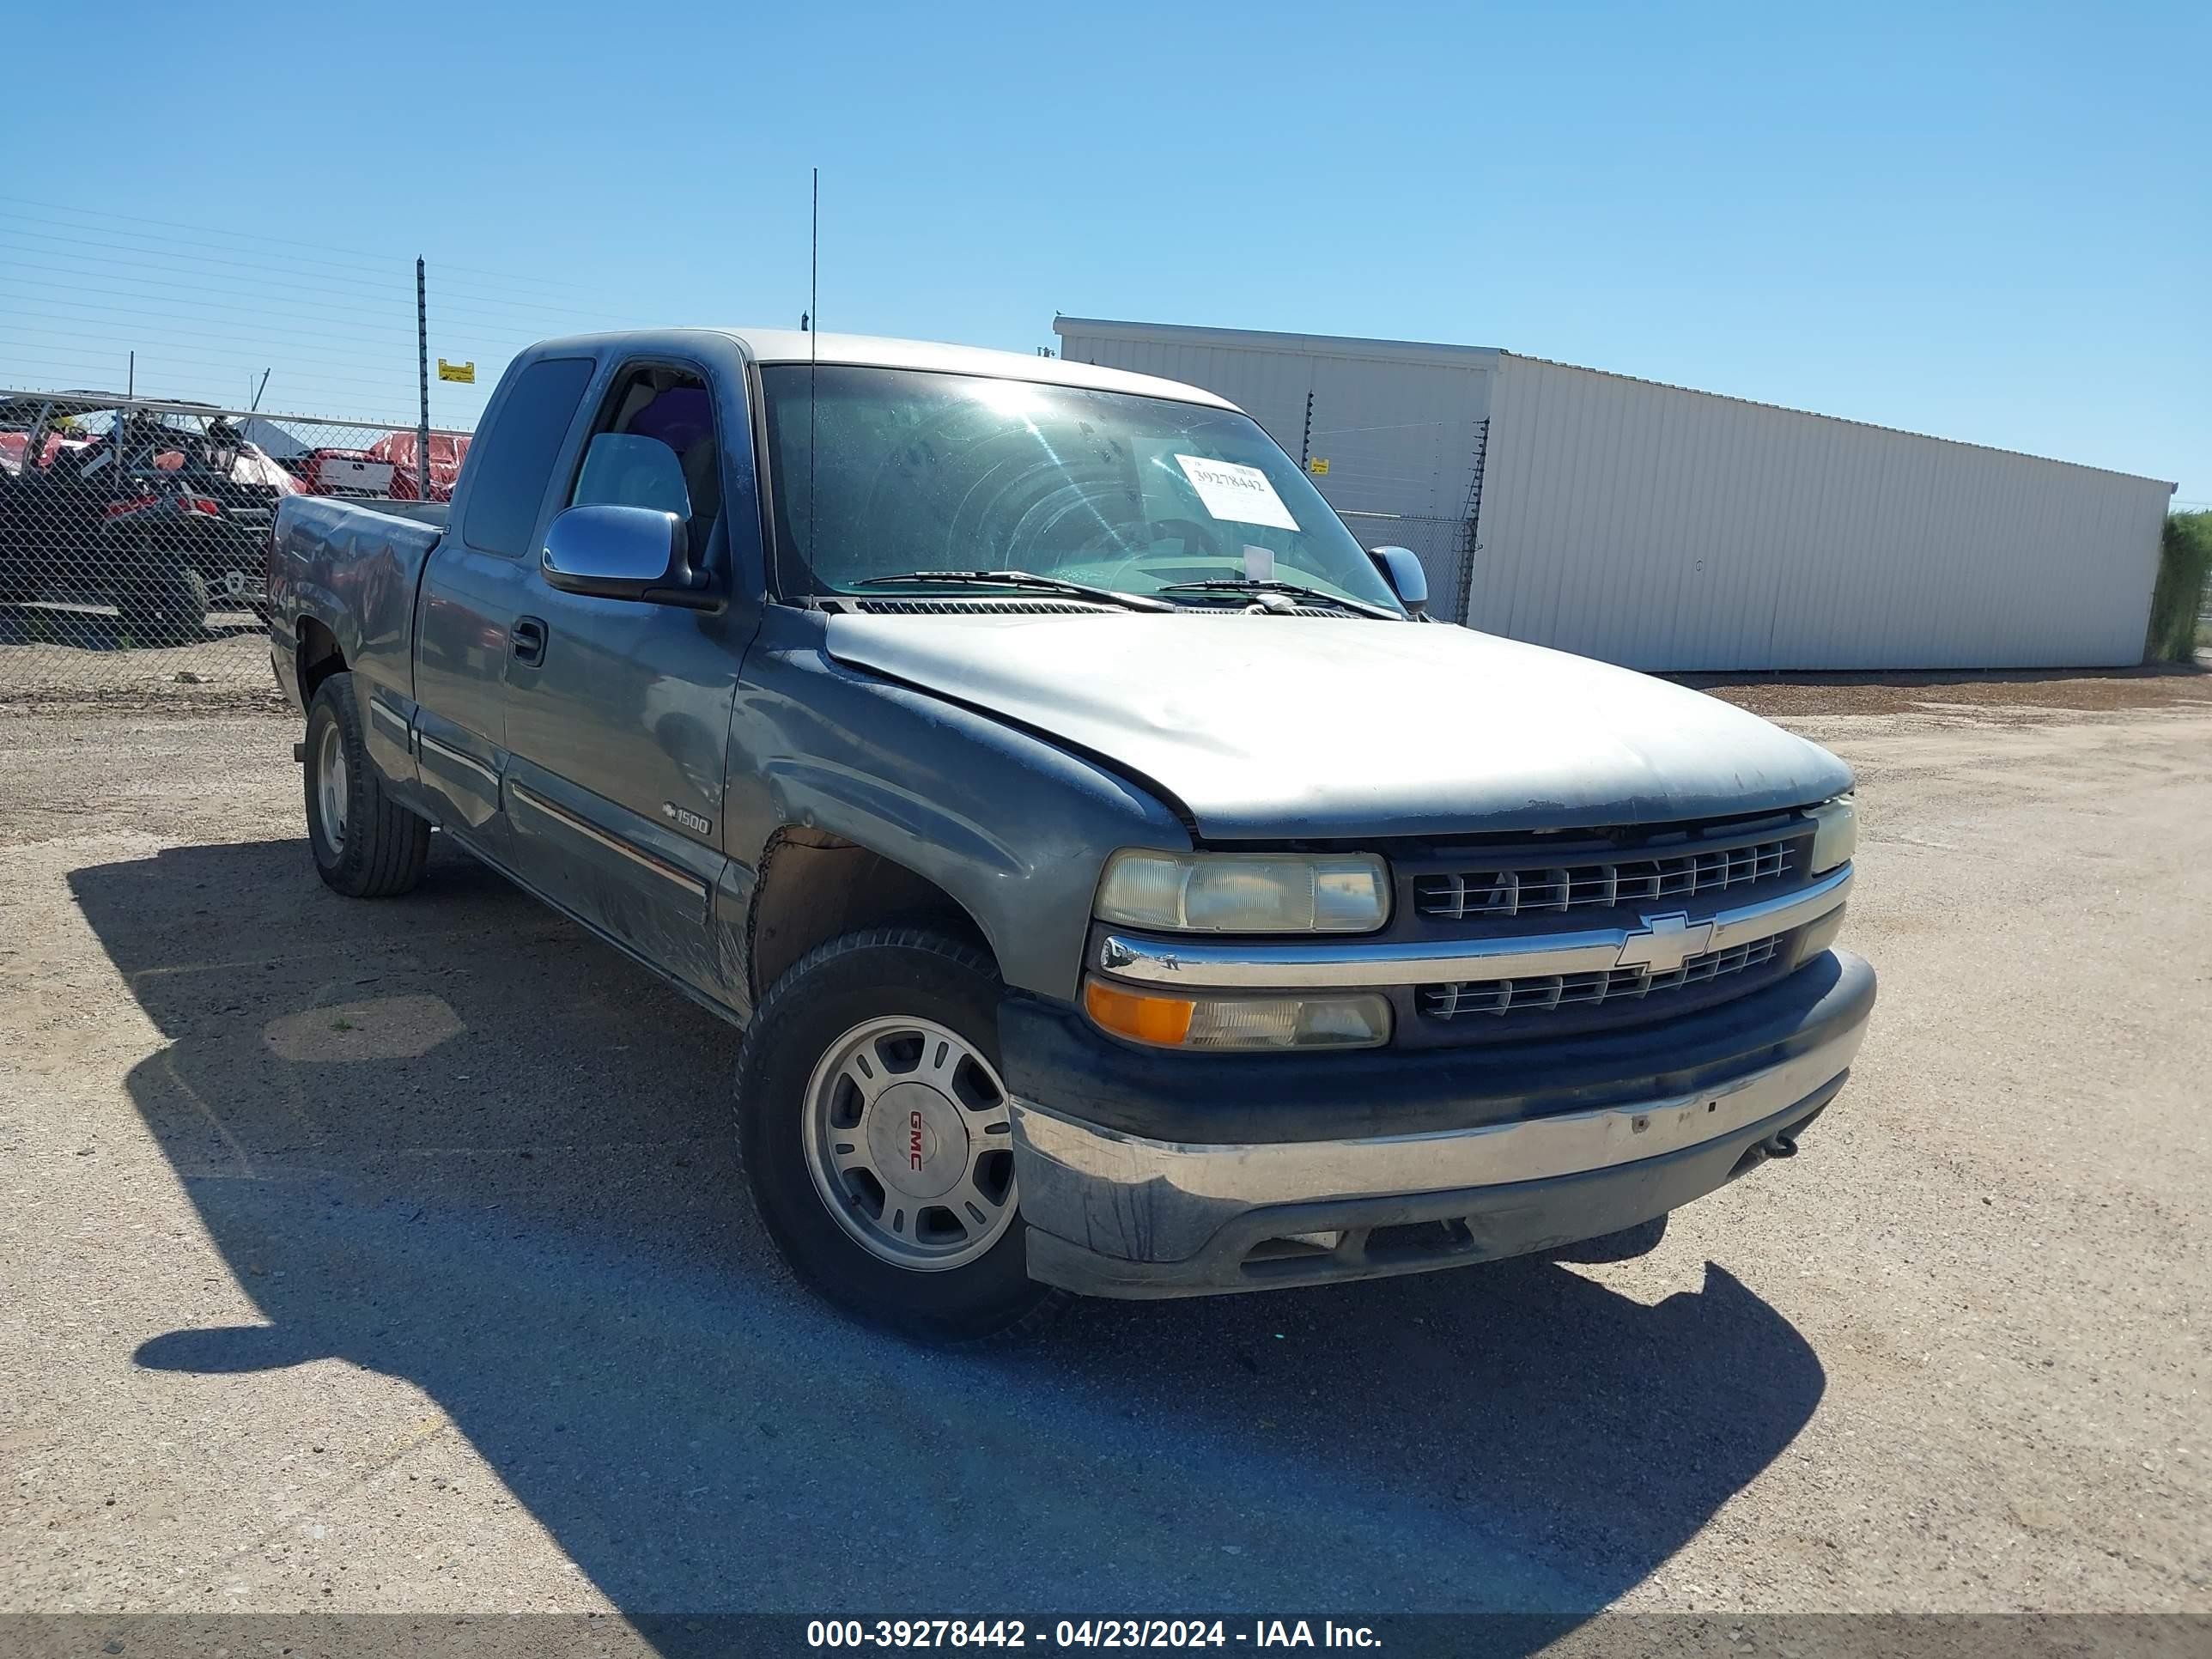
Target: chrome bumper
1116,1214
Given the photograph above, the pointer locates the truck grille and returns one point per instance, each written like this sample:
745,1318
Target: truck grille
1499,893
1539,993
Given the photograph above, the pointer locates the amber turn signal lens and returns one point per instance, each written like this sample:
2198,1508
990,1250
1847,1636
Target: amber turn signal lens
1355,1020
1136,1014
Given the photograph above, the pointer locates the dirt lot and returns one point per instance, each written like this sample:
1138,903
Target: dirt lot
2010,696
57,655
392,1256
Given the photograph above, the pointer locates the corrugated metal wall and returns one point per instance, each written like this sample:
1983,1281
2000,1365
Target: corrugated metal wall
1665,528
1671,529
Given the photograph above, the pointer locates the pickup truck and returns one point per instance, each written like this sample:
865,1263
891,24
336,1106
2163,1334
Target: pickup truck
1121,887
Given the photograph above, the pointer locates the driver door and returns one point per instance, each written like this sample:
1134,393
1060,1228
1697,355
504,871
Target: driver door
617,711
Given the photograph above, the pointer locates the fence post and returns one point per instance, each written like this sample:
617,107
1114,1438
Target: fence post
423,376
1470,537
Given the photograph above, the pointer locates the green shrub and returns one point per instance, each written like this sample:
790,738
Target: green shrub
2184,564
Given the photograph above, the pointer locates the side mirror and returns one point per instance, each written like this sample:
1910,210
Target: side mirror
623,553
1403,572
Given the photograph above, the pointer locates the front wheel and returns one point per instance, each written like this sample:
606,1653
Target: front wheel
877,1136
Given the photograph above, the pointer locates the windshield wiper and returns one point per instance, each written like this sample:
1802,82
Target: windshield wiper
1292,590
1028,579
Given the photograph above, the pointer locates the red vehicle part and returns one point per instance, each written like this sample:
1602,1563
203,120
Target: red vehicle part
447,451
12,445
343,472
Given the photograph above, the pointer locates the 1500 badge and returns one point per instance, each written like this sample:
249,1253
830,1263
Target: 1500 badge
691,821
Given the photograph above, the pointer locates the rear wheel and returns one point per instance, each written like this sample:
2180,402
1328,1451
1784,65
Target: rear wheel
877,1136
365,844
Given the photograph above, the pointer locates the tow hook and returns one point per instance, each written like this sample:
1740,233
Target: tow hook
1783,1143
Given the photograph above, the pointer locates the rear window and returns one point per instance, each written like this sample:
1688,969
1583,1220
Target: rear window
511,463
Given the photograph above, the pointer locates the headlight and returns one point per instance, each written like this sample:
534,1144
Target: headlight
1835,834
1358,1020
1246,892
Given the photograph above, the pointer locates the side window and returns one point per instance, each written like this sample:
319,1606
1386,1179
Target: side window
653,446
510,468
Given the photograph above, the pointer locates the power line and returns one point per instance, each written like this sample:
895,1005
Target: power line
331,310
256,330
252,345
159,355
102,267
286,264
278,241
262,273
334,326
155,357
312,308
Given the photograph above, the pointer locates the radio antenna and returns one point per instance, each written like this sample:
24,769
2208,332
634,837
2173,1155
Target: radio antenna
813,335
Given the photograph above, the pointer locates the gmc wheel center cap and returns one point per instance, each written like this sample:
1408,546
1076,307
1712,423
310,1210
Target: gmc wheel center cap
918,1140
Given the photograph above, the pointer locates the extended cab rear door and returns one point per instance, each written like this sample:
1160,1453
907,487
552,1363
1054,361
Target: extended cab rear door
472,591
617,717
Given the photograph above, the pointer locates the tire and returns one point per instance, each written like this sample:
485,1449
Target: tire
194,599
899,995
163,604
365,845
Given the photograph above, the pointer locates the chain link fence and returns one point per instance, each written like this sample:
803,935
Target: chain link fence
1442,545
1409,483
134,535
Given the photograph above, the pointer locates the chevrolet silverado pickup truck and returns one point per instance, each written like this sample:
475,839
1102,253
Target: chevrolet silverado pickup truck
1121,887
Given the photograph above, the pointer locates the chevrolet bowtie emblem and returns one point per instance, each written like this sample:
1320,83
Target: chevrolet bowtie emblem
1666,943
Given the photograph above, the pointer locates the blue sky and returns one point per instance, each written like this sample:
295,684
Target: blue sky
1988,224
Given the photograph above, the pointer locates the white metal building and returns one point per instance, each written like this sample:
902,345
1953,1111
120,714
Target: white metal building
1671,529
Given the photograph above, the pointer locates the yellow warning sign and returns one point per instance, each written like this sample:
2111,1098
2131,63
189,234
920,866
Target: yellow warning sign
464,373
1317,466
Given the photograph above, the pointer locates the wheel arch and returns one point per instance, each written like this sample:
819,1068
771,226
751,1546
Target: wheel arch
318,656
816,885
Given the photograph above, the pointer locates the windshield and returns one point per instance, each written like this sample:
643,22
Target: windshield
908,470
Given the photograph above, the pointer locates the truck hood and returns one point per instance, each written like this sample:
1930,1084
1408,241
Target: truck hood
1285,727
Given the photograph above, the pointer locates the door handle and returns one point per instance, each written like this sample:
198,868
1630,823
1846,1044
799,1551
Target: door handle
526,639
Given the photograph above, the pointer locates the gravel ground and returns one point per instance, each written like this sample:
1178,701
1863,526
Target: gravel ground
391,1257
2025,694
61,655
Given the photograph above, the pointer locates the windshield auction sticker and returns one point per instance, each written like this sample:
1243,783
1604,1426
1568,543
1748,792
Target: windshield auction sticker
1240,494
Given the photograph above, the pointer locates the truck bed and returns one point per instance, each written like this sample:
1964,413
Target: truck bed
353,567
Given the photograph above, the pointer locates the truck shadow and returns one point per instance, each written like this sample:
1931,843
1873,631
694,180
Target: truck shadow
455,1141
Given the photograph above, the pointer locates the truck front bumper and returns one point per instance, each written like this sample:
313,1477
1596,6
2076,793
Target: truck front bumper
1515,1151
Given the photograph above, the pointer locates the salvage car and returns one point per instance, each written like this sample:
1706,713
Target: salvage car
163,511
1121,887
329,471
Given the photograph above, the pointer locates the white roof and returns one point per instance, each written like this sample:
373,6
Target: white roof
789,345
